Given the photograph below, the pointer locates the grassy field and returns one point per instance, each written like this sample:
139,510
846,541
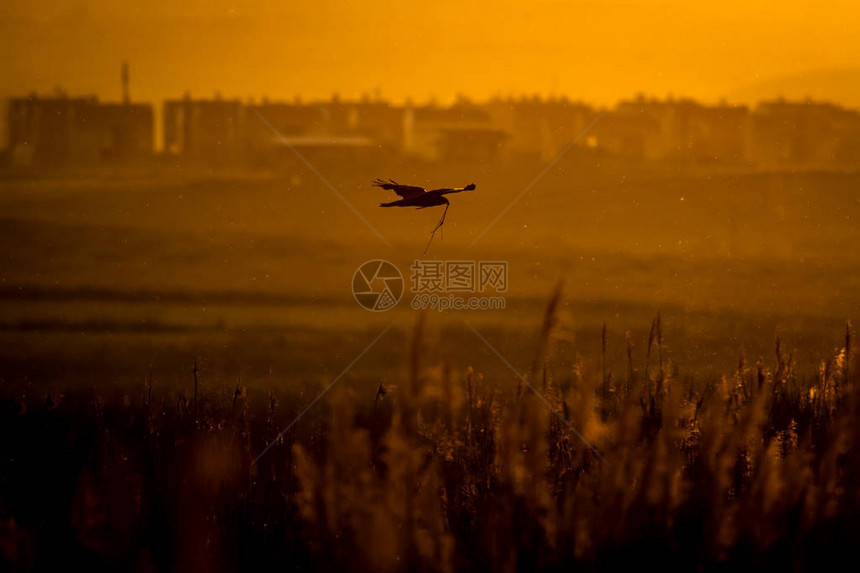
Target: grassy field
157,332
445,470
160,270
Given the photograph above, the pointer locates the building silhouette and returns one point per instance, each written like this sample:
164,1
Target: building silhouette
204,130
808,134
65,131
79,131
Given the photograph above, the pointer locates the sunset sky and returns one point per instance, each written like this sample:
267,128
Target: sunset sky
597,51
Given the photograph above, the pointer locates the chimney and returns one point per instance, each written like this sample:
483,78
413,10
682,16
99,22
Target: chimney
126,96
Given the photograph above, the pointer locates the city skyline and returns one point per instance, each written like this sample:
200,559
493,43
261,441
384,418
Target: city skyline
115,95
776,133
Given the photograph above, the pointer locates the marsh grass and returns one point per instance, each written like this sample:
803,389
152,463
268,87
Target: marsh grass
445,471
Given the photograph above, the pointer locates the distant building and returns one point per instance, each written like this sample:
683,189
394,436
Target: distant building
380,121
127,131
332,129
429,131
629,133
226,131
539,128
205,130
805,134
62,131
288,119
717,134
681,130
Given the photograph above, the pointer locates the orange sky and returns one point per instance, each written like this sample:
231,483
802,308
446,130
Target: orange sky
598,51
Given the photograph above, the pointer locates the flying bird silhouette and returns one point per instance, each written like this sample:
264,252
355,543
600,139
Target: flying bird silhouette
414,196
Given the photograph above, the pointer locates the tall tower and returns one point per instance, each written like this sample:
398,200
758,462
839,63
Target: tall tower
126,96
408,126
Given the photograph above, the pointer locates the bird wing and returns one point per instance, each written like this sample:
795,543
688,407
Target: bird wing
405,191
447,190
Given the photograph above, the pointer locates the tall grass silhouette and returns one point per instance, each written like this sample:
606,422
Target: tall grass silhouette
447,471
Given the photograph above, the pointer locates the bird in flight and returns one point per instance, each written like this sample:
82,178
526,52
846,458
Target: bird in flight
414,196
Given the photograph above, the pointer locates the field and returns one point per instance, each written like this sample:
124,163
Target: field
690,328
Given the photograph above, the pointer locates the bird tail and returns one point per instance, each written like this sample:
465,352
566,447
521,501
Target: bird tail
392,204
